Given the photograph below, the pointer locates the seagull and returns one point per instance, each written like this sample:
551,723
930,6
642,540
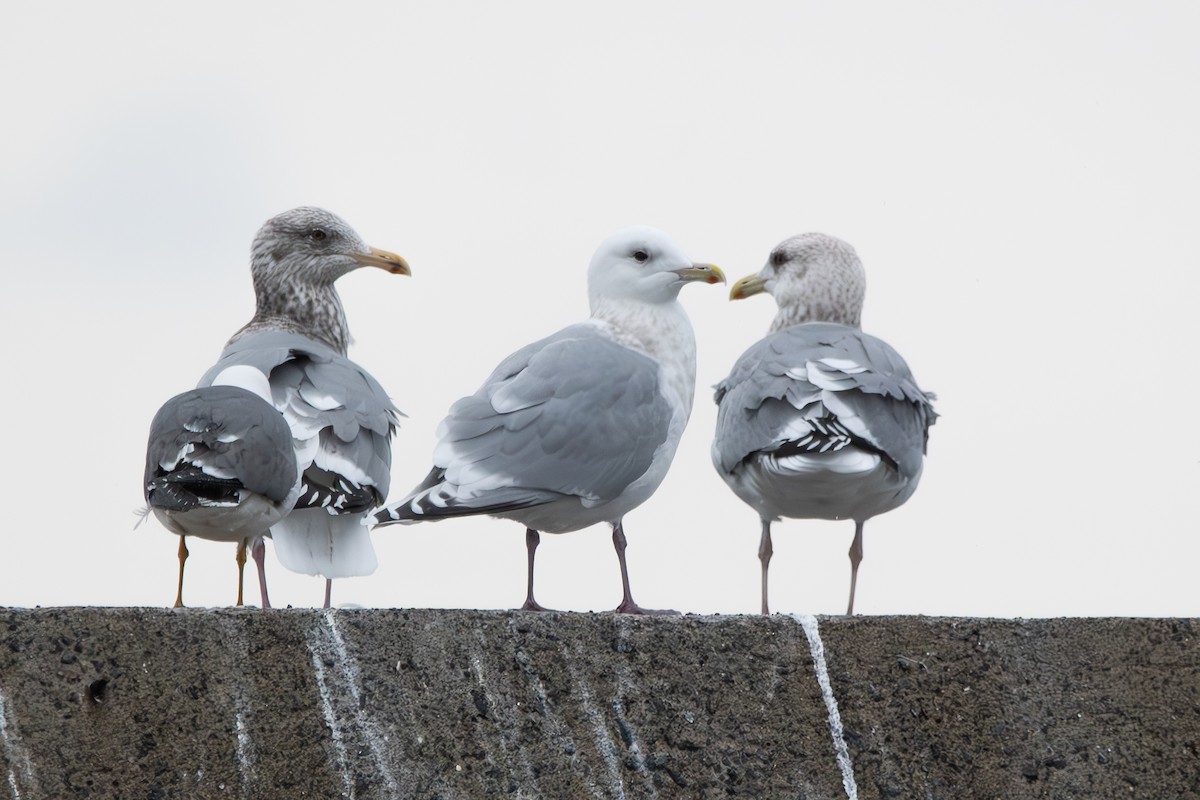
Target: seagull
220,465
819,420
341,419
580,427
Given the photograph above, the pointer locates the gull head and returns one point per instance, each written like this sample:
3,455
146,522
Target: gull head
643,263
813,278
313,246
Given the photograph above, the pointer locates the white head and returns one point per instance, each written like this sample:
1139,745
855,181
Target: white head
643,263
813,278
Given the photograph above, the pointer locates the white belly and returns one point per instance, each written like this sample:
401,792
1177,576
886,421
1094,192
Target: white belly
848,484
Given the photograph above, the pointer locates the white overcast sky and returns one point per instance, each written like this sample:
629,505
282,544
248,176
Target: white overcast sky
1020,180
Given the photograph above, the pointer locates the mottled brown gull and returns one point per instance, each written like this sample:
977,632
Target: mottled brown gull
819,420
340,418
580,427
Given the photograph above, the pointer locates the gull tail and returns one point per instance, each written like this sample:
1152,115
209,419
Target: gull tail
435,499
315,542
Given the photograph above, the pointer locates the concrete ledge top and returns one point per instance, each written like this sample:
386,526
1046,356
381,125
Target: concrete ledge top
152,703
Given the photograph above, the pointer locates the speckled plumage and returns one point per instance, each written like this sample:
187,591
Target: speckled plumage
340,420
294,272
815,278
818,420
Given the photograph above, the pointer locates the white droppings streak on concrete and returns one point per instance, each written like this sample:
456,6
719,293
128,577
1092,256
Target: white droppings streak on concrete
626,683
605,746
505,724
14,752
244,755
348,668
335,729
477,668
809,623
559,730
634,748
244,747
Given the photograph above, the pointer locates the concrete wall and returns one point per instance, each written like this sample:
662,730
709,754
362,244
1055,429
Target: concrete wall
147,703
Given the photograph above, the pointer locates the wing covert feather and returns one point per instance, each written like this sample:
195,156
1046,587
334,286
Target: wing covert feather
573,414
821,368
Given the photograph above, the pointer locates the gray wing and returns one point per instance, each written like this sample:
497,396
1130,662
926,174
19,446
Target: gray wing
208,443
573,415
340,416
810,385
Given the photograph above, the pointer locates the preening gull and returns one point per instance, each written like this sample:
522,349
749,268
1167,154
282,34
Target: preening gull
579,427
220,464
819,420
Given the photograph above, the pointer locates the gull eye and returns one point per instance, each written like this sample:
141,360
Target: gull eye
641,256
778,258
318,235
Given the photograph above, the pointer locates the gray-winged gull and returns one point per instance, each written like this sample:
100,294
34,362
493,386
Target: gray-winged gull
819,420
220,464
579,427
341,419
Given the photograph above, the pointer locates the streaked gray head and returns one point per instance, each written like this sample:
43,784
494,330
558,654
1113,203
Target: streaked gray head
643,263
315,246
294,261
813,278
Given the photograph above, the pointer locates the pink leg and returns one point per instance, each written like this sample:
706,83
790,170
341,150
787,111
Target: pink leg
764,555
328,591
627,605
241,562
259,552
532,540
856,554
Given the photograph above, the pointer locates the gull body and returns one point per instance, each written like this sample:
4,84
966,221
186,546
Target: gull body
579,427
340,419
220,464
819,420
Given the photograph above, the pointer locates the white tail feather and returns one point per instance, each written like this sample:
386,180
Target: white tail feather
314,542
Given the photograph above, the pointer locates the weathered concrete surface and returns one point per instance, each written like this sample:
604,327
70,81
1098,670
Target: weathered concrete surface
146,703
